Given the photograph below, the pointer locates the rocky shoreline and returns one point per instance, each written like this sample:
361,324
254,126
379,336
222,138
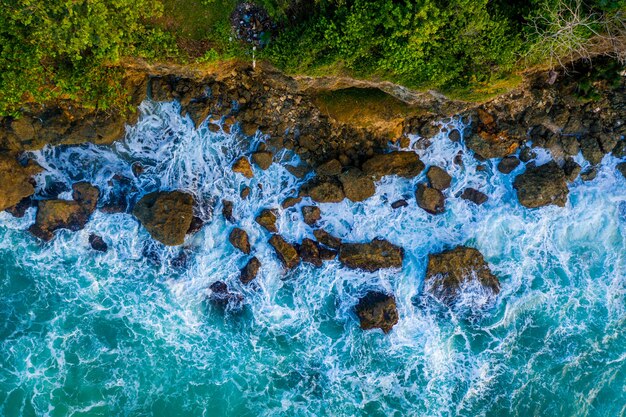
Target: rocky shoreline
340,161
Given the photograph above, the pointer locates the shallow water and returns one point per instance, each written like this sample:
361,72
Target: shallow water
114,334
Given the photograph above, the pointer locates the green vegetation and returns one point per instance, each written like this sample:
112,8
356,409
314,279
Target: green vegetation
51,49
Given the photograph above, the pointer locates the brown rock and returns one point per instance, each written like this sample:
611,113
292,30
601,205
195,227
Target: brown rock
542,186
243,167
439,178
327,254
166,215
621,167
330,168
402,163
326,191
291,201
508,164
492,145
571,169
245,192
250,271
356,185
311,214
377,310
398,204
197,223
327,239
15,181
309,252
267,219
372,256
475,196
227,210
430,199
239,239
287,254
263,159
449,270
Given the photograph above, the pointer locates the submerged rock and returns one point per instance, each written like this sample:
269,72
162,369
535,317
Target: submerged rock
250,271
372,256
267,219
227,210
222,297
309,252
438,178
377,310
475,196
166,215
239,239
542,186
402,163
448,271
15,181
430,199
19,210
65,214
356,185
119,198
243,167
286,252
97,243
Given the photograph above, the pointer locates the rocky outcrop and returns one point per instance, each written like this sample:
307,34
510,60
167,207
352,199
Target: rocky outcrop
439,179
65,214
356,185
166,215
489,141
250,271
377,310
267,219
541,186
15,181
239,239
430,199
621,168
402,163
372,256
449,271
286,252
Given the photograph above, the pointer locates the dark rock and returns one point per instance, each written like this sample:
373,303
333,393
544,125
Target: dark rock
97,243
227,210
299,171
166,215
267,219
309,252
15,181
137,169
19,210
180,261
591,150
541,186
475,196
119,197
327,239
454,135
263,159
327,254
448,271
619,150
245,192
439,178
430,199
377,310
372,256
526,154
222,297
197,223
239,239
250,271
508,164
243,167
291,201
402,163
311,214
329,169
324,191
589,174
492,145
356,185
287,254
621,167
398,204
571,169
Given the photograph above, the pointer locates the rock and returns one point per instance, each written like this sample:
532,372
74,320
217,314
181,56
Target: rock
263,159
377,310
311,214
287,254
119,197
356,185
448,271
619,150
291,201
243,167
571,169
591,149
227,210
324,191
19,210
430,199
329,169
65,214
372,256
245,192
439,178
239,239
15,181
327,254
526,154
267,219
166,215
197,223
327,239
309,252
454,135
398,204
250,271
137,169
541,186
490,142
402,163
97,243
299,171
621,167
222,297
508,164
475,196
589,174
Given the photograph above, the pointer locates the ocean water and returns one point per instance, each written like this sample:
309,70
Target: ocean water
84,333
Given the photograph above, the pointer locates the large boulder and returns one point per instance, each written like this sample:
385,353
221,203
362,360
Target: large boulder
542,186
263,159
377,310
324,191
475,196
286,252
372,256
309,252
239,239
327,239
166,215
65,214
243,167
402,163
267,219
250,271
448,271
438,177
15,181
430,199
311,214
356,185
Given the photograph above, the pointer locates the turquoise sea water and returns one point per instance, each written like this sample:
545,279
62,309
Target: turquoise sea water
91,334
